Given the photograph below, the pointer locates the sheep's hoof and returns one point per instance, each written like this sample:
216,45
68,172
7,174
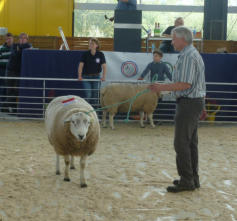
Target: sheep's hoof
72,167
84,185
142,126
58,173
153,126
104,126
67,179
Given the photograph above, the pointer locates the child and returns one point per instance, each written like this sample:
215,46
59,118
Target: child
157,67
91,64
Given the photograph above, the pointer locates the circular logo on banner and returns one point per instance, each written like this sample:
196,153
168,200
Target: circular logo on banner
170,66
129,68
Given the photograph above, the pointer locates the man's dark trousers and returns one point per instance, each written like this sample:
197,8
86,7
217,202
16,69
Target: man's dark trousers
188,112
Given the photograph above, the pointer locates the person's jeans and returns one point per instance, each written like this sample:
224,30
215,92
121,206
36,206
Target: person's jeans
12,91
2,84
91,89
166,48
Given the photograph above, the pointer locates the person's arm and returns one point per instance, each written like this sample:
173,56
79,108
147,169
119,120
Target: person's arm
185,80
5,55
25,46
178,86
80,68
145,72
167,32
104,67
167,72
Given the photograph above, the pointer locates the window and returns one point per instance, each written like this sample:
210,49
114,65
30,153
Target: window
232,3
174,2
92,22
88,23
232,27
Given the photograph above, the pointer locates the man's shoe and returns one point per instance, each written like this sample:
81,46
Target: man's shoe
180,188
196,183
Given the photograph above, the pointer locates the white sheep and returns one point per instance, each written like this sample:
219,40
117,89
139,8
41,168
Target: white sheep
118,92
73,130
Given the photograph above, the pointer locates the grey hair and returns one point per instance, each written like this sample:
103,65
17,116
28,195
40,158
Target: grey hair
183,32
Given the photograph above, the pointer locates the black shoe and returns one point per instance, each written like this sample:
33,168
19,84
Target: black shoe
196,183
180,188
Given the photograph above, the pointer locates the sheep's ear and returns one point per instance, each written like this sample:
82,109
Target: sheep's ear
67,120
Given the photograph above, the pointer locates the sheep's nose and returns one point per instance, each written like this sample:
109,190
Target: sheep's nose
81,137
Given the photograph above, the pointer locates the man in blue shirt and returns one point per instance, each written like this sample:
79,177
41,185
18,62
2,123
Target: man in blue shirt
158,69
124,5
127,5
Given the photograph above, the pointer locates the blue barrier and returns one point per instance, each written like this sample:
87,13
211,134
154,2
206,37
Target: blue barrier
64,64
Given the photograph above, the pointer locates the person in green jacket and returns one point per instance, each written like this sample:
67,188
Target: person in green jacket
5,53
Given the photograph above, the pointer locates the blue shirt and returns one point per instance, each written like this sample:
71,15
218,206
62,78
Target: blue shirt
190,69
160,69
130,5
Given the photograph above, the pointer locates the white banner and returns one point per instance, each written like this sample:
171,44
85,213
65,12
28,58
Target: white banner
126,66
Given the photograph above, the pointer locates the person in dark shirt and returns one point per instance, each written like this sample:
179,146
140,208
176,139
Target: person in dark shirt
157,68
124,5
5,53
166,46
90,67
14,70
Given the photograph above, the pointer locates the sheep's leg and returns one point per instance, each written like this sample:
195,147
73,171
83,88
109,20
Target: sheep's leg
57,165
82,177
141,119
150,116
67,162
72,165
111,121
104,118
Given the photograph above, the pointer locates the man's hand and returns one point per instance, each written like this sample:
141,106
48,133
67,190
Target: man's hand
102,79
79,78
140,78
155,87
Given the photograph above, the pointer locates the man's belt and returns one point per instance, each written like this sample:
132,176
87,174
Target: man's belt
189,98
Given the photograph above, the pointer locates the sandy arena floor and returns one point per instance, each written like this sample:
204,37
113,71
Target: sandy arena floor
127,177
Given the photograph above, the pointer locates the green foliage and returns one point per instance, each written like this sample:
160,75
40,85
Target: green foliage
93,23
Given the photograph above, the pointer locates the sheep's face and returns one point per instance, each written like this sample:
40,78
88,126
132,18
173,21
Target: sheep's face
79,125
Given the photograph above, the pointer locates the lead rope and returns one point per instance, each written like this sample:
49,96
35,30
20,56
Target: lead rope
131,100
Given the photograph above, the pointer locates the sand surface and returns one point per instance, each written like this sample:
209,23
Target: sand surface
127,176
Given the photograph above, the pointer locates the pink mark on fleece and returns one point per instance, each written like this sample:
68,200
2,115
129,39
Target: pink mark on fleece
68,101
